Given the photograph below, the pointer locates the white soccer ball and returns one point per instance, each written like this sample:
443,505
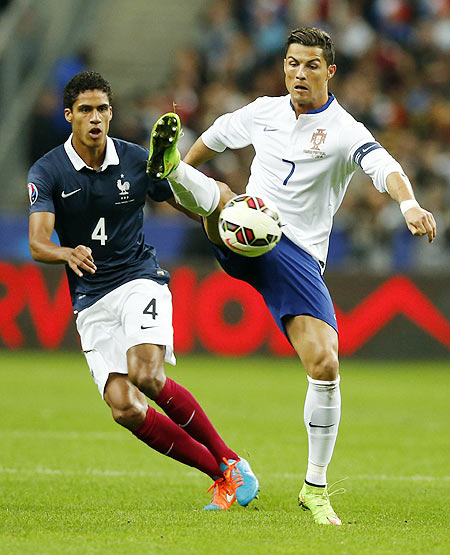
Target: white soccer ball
250,225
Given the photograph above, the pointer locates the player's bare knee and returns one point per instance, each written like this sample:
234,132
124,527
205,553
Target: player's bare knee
325,367
226,194
147,374
146,370
211,223
149,382
130,415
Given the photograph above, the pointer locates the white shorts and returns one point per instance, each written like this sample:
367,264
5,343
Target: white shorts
137,312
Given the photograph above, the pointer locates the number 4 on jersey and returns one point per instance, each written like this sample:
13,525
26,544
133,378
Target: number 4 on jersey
151,309
99,233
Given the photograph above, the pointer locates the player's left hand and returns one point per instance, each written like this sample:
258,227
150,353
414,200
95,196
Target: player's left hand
421,222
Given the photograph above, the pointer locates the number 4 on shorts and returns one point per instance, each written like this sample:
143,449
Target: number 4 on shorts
151,309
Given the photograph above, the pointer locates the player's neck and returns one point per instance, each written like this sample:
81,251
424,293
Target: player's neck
303,108
91,156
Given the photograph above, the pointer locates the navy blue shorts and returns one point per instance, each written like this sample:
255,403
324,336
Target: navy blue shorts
287,277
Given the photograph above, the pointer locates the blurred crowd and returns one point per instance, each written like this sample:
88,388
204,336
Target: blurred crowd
393,75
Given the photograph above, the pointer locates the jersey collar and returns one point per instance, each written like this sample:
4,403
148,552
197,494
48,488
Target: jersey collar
111,157
317,110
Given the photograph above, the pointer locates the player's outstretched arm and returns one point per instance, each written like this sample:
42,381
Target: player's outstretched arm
41,225
199,153
419,221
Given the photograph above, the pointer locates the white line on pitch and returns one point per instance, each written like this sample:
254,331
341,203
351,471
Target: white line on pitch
87,472
62,435
373,477
144,473
377,478
415,478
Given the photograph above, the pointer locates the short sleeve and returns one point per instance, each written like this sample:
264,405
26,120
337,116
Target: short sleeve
363,150
231,130
40,190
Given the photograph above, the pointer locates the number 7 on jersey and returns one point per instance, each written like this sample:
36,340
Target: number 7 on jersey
291,172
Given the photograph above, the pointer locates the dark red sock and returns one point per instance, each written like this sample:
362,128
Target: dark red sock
184,410
163,435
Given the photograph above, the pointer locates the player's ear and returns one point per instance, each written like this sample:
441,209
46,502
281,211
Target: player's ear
68,114
284,66
331,71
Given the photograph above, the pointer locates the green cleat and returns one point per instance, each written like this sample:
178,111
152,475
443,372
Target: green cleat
164,156
317,501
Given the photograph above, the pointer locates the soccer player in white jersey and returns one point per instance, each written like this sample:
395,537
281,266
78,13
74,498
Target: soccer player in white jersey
307,148
92,191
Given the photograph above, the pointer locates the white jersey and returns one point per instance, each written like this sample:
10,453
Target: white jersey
304,164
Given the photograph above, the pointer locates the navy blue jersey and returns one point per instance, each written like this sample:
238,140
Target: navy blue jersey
102,210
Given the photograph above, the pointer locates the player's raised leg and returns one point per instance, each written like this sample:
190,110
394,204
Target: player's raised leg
316,343
192,189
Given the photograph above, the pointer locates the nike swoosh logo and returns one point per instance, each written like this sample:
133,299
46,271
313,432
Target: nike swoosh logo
189,421
147,327
319,426
65,195
230,498
266,129
170,449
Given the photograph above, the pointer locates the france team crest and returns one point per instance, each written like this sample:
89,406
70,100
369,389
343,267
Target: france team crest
32,192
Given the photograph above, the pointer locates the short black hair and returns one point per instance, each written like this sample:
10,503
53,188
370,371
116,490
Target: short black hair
85,81
312,36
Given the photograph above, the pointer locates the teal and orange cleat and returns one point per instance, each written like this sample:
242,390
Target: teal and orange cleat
224,494
245,482
316,500
164,155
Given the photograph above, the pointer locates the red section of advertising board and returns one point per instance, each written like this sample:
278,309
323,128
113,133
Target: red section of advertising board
397,295
201,314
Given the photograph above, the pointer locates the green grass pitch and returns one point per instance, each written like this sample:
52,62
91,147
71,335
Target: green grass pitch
72,481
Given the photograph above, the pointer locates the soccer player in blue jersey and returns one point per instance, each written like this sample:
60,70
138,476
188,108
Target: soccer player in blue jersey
307,148
92,191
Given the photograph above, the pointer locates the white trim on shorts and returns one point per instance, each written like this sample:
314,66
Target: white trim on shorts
123,318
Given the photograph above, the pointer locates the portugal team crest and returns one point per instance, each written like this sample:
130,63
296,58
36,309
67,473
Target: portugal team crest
32,192
317,139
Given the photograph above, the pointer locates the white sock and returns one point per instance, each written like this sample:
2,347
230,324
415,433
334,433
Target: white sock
194,190
321,415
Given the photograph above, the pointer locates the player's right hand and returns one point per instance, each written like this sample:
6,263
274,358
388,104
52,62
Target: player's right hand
421,222
81,257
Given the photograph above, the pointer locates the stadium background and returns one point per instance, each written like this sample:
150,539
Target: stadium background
209,57
72,481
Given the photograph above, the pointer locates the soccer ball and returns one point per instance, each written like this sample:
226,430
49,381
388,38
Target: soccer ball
249,225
